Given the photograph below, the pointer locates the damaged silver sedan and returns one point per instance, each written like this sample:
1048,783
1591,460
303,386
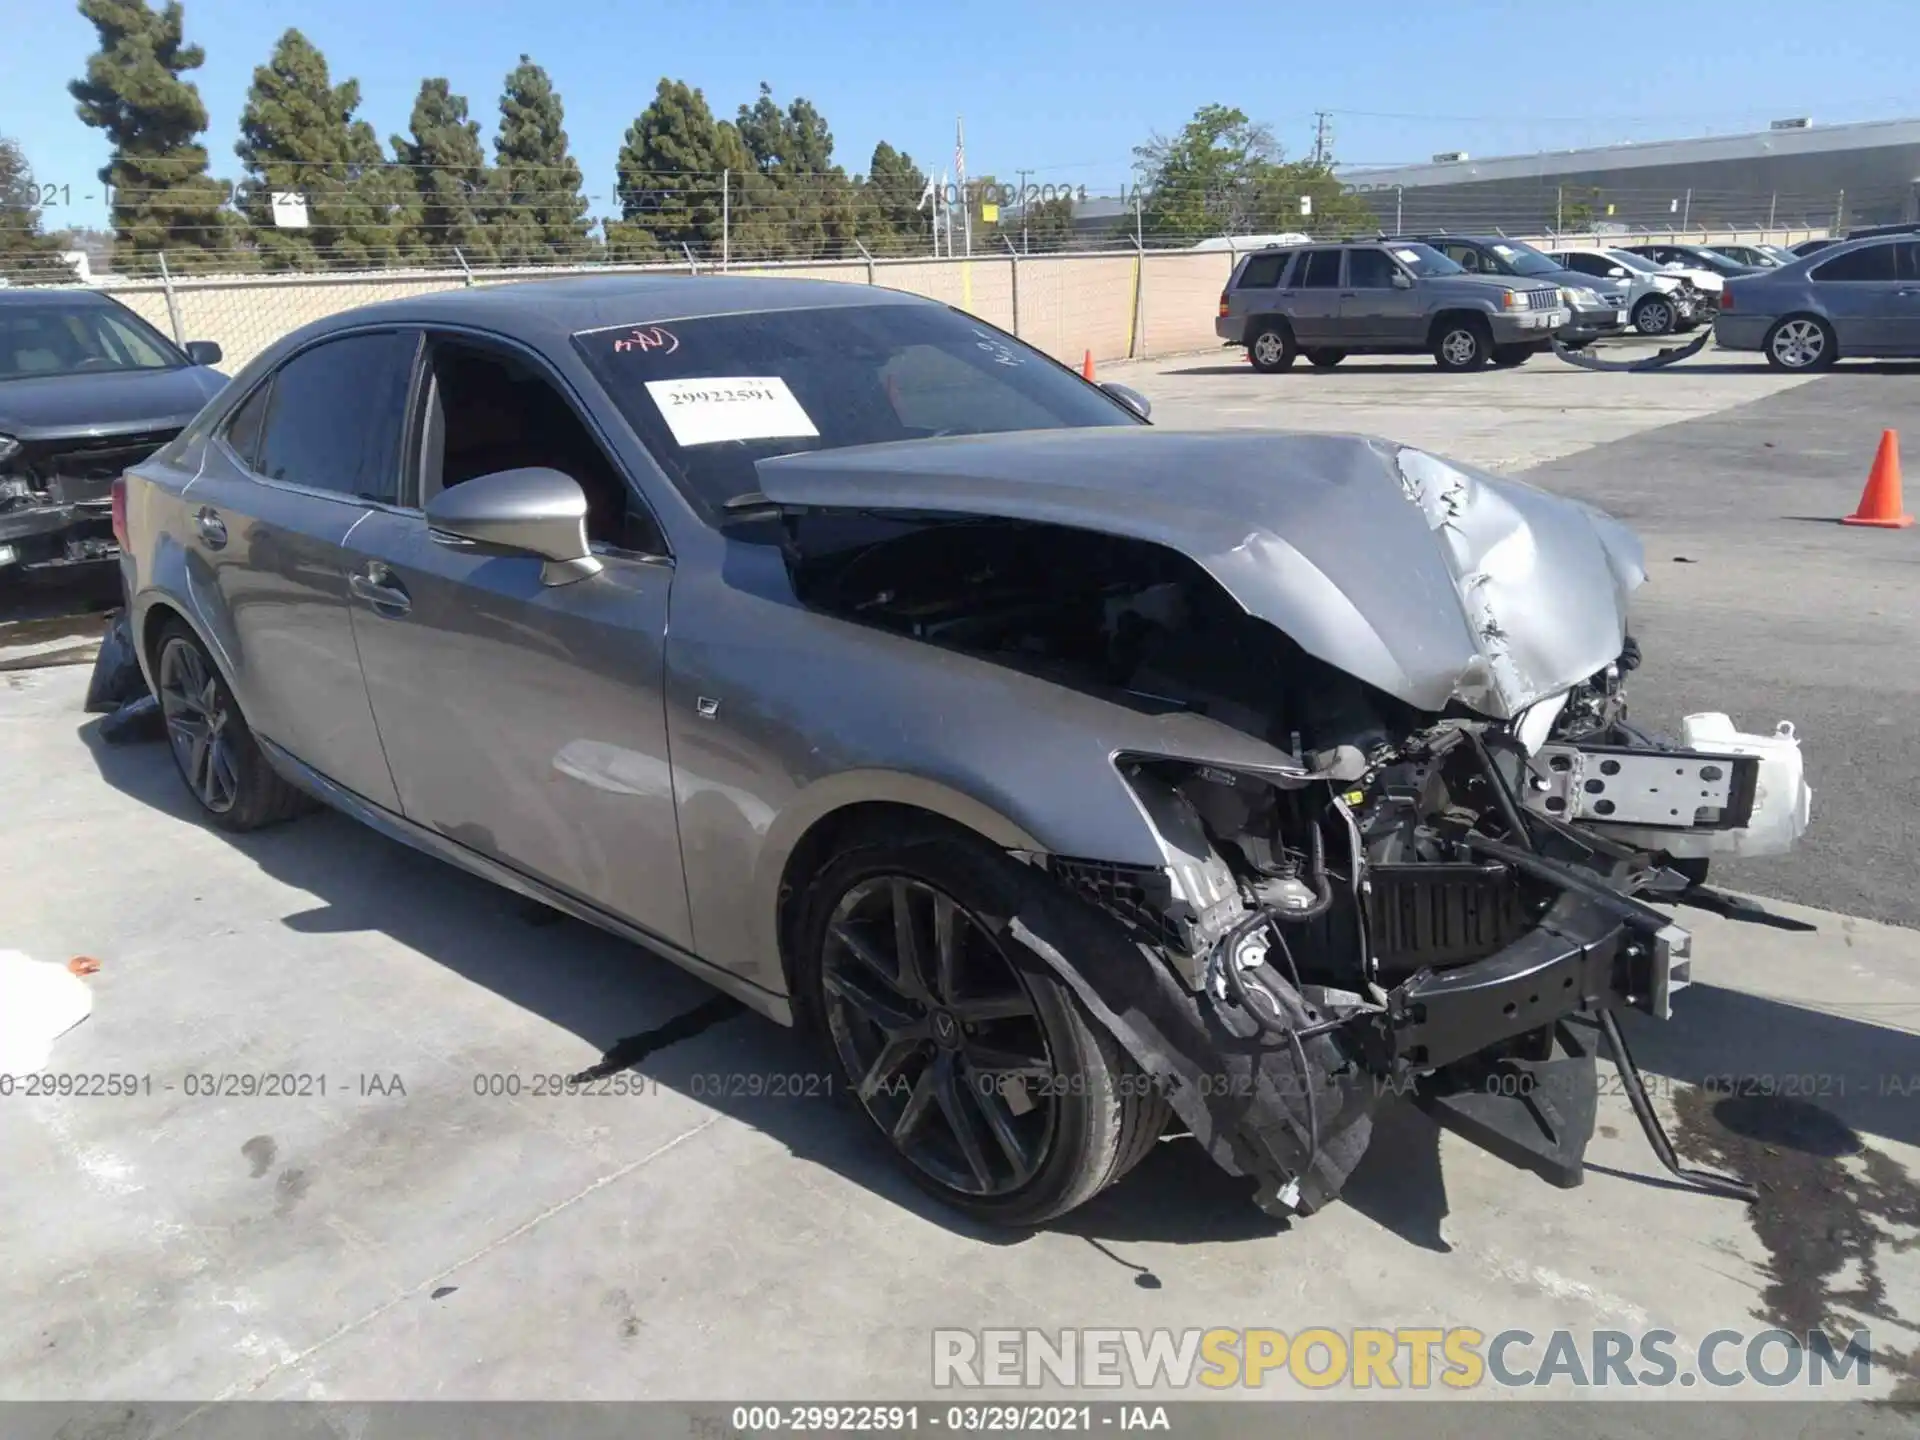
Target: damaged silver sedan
1077,782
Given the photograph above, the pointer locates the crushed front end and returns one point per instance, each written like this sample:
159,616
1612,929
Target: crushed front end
56,512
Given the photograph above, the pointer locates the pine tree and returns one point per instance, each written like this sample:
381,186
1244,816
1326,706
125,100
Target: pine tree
449,173
540,213
25,252
163,198
813,201
893,190
297,136
668,178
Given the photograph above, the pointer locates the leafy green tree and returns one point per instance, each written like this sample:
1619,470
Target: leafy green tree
162,196
298,136
669,181
450,174
1334,211
540,213
893,189
26,253
1048,225
1205,180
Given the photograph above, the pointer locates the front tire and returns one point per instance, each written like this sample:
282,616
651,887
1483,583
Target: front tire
1802,342
1655,315
1464,344
1271,347
994,1088
1511,357
226,771
1324,359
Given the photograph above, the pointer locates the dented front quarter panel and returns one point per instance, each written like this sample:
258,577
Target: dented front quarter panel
1428,579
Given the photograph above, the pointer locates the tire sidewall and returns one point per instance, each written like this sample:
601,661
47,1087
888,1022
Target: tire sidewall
1647,306
1482,348
260,795
1826,357
980,883
1288,349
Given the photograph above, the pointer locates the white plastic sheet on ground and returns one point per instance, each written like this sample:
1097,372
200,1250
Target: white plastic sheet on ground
39,1002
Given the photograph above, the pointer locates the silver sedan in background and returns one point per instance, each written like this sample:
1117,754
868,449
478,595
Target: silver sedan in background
1860,299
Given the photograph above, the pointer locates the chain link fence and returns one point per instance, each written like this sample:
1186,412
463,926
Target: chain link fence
1110,304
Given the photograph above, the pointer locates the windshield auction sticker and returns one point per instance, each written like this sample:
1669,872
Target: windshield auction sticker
730,407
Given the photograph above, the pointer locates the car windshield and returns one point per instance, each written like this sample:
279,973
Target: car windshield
711,396
1524,259
1714,257
1425,260
1632,261
38,340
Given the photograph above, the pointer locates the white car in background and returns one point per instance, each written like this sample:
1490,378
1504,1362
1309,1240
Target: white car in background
1659,300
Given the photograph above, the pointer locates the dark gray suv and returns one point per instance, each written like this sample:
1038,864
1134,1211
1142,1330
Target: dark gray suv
1379,298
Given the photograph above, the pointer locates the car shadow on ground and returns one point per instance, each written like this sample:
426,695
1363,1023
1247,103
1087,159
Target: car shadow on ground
609,993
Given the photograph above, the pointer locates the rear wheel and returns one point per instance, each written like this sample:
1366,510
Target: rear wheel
1801,342
1462,344
1324,359
1654,315
981,1070
1271,347
218,757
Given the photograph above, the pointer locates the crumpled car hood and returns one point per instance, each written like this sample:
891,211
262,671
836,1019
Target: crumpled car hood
1428,579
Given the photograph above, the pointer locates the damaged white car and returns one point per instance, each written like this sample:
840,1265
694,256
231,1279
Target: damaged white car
1078,781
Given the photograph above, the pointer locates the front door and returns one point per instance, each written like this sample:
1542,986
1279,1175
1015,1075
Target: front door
1373,310
309,455
525,721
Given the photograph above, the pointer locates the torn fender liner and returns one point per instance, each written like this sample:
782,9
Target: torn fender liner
1242,1096
116,677
1667,355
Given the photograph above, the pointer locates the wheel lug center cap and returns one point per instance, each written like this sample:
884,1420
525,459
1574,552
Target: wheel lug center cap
946,1030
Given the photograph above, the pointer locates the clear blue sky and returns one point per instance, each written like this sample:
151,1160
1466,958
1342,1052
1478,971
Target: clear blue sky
1065,90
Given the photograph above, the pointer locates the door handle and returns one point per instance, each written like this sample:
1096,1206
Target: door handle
380,588
213,530
1349,295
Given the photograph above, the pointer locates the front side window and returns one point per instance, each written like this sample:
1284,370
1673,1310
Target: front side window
1370,270
1870,262
710,396
334,419
64,338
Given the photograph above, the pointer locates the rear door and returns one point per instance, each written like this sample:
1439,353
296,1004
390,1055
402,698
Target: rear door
1312,298
302,461
1860,292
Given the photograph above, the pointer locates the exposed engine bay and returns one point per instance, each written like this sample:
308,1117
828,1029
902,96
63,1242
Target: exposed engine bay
1434,903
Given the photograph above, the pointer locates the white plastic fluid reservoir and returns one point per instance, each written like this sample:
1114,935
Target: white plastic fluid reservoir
1782,801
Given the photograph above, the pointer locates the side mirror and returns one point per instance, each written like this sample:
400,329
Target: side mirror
1616,273
536,512
1402,280
203,352
1129,397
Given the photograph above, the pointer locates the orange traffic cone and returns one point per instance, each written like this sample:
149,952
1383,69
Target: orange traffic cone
1880,502
1086,367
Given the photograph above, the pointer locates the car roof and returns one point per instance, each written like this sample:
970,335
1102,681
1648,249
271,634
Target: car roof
41,294
553,310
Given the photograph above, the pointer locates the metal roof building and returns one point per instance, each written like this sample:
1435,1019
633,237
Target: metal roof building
1793,175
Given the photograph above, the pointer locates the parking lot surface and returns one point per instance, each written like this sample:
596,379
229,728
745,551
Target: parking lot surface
418,1230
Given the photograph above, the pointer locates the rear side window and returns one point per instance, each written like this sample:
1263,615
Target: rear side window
1874,262
243,430
1318,270
1262,272
335,416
